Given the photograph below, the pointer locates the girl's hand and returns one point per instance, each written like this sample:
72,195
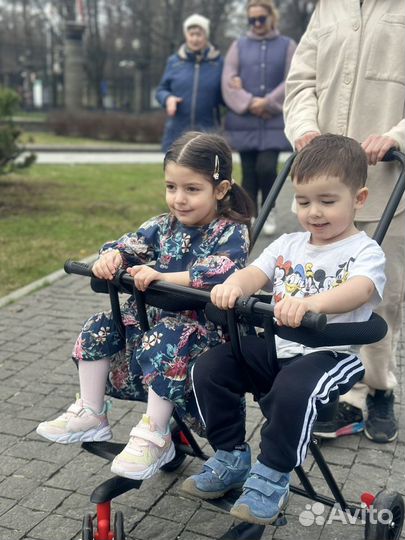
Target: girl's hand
143,276
290,311
224,296
107,264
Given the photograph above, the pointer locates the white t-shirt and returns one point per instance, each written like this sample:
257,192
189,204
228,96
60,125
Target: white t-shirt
295,267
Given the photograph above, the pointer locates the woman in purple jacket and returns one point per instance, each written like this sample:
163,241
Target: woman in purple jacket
253,78
190,89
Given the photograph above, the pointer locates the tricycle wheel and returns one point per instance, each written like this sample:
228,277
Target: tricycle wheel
87,526
119,533
385,517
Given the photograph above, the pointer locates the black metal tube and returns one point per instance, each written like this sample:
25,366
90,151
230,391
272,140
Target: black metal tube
393,201
271,199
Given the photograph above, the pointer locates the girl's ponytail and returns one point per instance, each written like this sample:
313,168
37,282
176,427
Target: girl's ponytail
237,205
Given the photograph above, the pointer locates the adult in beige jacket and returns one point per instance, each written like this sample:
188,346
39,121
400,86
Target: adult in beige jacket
348,77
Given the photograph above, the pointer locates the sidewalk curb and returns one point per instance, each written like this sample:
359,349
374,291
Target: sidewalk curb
39,283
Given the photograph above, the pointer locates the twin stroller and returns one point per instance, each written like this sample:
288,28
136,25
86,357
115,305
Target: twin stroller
314,332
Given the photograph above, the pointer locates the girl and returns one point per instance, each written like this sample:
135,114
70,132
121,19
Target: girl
199,243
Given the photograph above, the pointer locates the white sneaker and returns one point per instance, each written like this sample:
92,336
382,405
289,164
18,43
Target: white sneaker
146,451
270,227
78,424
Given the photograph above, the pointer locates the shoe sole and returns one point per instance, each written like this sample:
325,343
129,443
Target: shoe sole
351,429
120,470
388,440
189,487
242,512
91,435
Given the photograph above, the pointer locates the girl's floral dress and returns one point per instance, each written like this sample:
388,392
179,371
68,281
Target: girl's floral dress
163,356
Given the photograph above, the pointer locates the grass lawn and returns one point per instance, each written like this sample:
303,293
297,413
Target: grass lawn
51,213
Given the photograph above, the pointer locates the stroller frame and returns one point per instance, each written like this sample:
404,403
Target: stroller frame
159,294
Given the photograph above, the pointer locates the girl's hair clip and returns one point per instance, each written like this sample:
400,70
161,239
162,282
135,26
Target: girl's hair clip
232,181
216,168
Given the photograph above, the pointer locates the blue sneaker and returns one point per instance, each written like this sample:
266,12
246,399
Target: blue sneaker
221,473
265,495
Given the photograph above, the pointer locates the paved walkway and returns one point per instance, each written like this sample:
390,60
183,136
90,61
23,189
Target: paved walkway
45,488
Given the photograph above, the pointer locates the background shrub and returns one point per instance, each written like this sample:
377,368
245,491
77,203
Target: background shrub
124,127
10,150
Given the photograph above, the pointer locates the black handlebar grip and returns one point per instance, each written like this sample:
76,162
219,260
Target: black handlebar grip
74,267
390,155
316,321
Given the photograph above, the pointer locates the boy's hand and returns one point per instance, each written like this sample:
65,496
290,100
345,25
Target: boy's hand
290,311
107,264
143,276
225,295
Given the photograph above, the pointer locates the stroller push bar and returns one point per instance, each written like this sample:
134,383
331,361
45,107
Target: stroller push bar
386,218
250,305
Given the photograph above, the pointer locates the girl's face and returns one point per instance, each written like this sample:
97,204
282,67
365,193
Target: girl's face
191,198
326,208
260,20
196,39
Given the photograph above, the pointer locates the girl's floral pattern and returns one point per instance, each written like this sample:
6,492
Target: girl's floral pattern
163,356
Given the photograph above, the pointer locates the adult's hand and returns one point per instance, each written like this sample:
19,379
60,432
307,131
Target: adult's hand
235,83
258,106
376,146
305,139
171,105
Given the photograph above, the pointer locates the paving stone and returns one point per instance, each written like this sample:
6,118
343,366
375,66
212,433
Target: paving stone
44,498
16,486
6,504
39,469
184,508
20,427
8,534
153,527
9,464
21,519
211,523
55,527
76,505
375,456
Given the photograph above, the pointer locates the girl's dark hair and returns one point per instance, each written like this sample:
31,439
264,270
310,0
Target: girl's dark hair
210,155
333,155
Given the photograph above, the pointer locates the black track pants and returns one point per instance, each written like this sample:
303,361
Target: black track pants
289,398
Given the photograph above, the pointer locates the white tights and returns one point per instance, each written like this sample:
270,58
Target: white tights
93,377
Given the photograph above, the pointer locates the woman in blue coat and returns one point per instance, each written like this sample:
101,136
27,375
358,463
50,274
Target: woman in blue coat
190,89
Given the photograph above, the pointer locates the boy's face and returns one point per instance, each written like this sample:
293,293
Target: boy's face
326,208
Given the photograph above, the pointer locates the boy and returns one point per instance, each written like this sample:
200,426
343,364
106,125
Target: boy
331,268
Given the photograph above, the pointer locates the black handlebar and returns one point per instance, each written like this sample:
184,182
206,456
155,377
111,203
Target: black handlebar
251,305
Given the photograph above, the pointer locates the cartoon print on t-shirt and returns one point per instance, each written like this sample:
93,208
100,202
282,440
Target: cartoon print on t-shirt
282,269
303,281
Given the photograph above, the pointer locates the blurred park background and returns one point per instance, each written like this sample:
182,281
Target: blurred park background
84,72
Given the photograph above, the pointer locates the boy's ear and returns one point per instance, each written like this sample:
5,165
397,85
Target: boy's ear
361,197
222,189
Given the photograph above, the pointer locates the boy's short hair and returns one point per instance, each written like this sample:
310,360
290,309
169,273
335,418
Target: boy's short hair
333,155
